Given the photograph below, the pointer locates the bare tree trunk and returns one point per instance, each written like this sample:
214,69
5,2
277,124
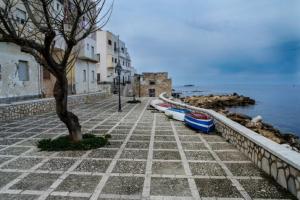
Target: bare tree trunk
61,97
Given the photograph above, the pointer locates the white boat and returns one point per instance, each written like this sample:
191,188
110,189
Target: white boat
160,105
176,113
154,102
163,106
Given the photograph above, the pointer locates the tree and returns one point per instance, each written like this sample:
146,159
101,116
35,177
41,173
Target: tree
52,32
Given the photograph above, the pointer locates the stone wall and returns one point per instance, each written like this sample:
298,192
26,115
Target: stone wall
27,108
282,171
158,81
279,162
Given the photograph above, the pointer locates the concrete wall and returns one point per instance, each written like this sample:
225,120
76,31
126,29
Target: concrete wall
281,163
10,85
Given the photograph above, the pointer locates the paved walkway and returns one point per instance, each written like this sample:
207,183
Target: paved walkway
150,157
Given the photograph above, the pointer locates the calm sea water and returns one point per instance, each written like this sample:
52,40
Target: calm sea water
279,105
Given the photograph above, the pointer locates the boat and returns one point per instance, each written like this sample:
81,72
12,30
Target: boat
177,113
154,102
163,106
199,121
189,85
160,105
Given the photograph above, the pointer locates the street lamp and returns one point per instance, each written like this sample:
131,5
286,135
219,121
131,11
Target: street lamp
119,70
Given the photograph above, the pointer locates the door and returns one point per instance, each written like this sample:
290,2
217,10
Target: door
151,92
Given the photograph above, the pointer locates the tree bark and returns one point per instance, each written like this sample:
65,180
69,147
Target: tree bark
60,92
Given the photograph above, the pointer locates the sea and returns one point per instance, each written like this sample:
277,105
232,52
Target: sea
278,105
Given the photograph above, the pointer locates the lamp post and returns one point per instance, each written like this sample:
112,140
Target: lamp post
119,70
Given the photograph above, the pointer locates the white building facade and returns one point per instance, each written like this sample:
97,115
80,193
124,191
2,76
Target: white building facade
21,77
20,74
85,66
112,50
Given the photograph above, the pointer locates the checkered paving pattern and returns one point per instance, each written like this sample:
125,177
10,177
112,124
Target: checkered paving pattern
150,157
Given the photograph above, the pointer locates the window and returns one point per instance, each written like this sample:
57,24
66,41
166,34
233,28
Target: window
123,63
98,78
116,60
46,74
151,82
23,70
115,46
20,16
84,75
113,59
123,49
93,75
88,46
92,51
57,6
0,73
109,42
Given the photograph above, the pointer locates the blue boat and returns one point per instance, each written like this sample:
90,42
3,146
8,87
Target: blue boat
199,122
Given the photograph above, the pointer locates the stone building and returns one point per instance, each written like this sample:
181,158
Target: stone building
152,84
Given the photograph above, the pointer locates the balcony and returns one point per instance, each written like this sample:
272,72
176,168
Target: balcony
87,51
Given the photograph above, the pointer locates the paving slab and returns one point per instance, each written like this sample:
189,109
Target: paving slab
149,157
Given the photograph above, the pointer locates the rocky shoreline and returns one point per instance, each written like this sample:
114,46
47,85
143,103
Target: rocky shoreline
221,103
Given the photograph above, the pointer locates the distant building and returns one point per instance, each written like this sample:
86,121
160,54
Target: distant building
152,84
111,48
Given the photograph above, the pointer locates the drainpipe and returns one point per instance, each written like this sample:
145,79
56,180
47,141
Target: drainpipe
88,76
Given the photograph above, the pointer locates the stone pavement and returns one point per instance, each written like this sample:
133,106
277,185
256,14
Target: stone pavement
150,157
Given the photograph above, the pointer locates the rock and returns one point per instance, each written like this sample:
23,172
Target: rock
239,115
271,135
257,119
219,103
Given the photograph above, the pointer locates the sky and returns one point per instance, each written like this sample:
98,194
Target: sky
212,41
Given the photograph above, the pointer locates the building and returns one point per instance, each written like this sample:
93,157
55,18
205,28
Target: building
82,76
152,84
112,50
20,77
82,73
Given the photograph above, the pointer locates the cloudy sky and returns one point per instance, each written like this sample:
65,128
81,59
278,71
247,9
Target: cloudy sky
212,41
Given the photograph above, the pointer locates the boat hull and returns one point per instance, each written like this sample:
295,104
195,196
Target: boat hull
155,102
177,114
203,125
161,108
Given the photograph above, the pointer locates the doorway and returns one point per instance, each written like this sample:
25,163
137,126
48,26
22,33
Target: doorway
152,93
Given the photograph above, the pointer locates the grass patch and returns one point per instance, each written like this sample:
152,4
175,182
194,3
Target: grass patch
63,143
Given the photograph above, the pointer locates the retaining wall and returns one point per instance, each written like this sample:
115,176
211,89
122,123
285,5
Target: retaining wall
19,110
281,163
